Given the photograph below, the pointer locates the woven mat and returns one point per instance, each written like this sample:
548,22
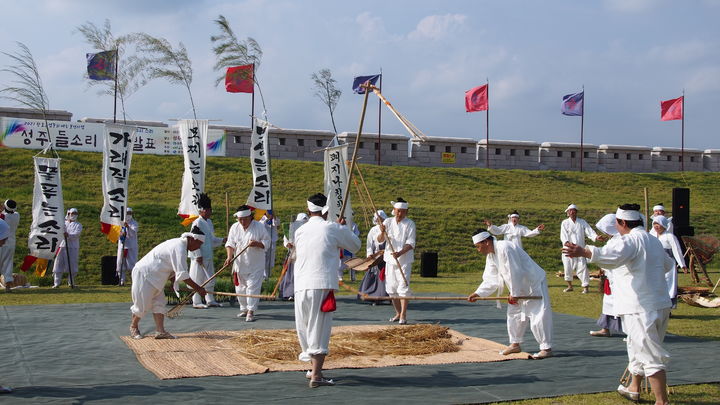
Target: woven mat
209,353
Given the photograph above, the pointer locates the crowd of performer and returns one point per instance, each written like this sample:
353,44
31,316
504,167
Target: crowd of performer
638,276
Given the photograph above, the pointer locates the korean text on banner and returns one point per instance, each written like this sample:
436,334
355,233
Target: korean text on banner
336,183
261,195
117,155
48,221
193,135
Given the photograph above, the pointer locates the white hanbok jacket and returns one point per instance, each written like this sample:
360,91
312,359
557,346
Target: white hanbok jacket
12,219
253,259
575,232
317,244
638,263
211,241
162,262
510,266
513,233
399,235
73,229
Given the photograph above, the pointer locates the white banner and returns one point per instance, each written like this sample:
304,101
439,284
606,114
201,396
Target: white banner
336,182
117,156
48,221
261,195
193,135
89,137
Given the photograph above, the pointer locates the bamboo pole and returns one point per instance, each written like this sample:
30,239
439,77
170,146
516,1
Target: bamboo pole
260,296
355,151
227,214
282,273
419,298
647,209
387,239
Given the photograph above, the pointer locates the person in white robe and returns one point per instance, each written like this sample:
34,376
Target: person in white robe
399,256
271,224
7,251
672,247
127,253
202,261
506,265
166,261
317,244
249,268
639,263
513,231
4,236
659,210
609,320
73,229
287,284
373,283
574,230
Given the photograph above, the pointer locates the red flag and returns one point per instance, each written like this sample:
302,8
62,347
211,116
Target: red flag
476,99
239,79
671,109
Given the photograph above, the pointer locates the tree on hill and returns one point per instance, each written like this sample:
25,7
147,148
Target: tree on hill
325,90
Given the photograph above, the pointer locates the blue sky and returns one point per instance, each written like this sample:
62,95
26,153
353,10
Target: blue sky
629,55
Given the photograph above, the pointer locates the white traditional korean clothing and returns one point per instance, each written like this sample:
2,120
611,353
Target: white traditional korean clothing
513,233
672,247
7,251
511,266
127,253
287,285
272,229
639,263
73,230
150,273
575,232
669,227
399,235
200,273
317,244
249,267
373,284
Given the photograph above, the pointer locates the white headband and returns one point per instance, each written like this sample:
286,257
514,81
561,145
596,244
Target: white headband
480,237
399,205
658,208
627,215
325,209
313,208
196,236
8,208
301,217
571,207
514,215
243,213
661,220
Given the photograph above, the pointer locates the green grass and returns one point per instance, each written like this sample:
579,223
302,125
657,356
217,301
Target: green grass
446,204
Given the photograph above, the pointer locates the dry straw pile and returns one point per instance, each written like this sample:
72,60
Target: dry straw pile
413,340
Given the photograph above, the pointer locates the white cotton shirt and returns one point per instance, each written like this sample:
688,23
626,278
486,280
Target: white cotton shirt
12,220
166,259
371,244
512,266
670,241
317,245
73,230
131,230
253,259
638,263
211,241
290,237
399,235
575,232
513,233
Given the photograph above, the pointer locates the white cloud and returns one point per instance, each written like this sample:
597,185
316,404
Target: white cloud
706,79
680,52
437,26
370,26
631,6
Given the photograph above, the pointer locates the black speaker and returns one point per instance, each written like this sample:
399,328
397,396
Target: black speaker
108,267
681,207
428,264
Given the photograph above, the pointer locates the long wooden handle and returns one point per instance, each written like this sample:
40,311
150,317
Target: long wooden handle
531,297
264,297
355,149
282,273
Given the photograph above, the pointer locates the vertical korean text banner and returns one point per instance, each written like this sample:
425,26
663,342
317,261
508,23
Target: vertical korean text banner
117,155
48,221
260,197
193,135
336,182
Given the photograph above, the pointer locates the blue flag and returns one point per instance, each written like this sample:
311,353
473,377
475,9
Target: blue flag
358,81
572,104
101,65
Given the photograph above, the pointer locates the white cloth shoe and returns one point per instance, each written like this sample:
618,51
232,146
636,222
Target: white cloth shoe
627,394
242,314
200,306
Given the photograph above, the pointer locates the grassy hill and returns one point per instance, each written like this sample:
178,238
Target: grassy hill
447,204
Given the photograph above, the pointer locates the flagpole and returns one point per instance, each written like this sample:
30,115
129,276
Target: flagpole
682,134
582,128
117,57
487,127
252,107
379,119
